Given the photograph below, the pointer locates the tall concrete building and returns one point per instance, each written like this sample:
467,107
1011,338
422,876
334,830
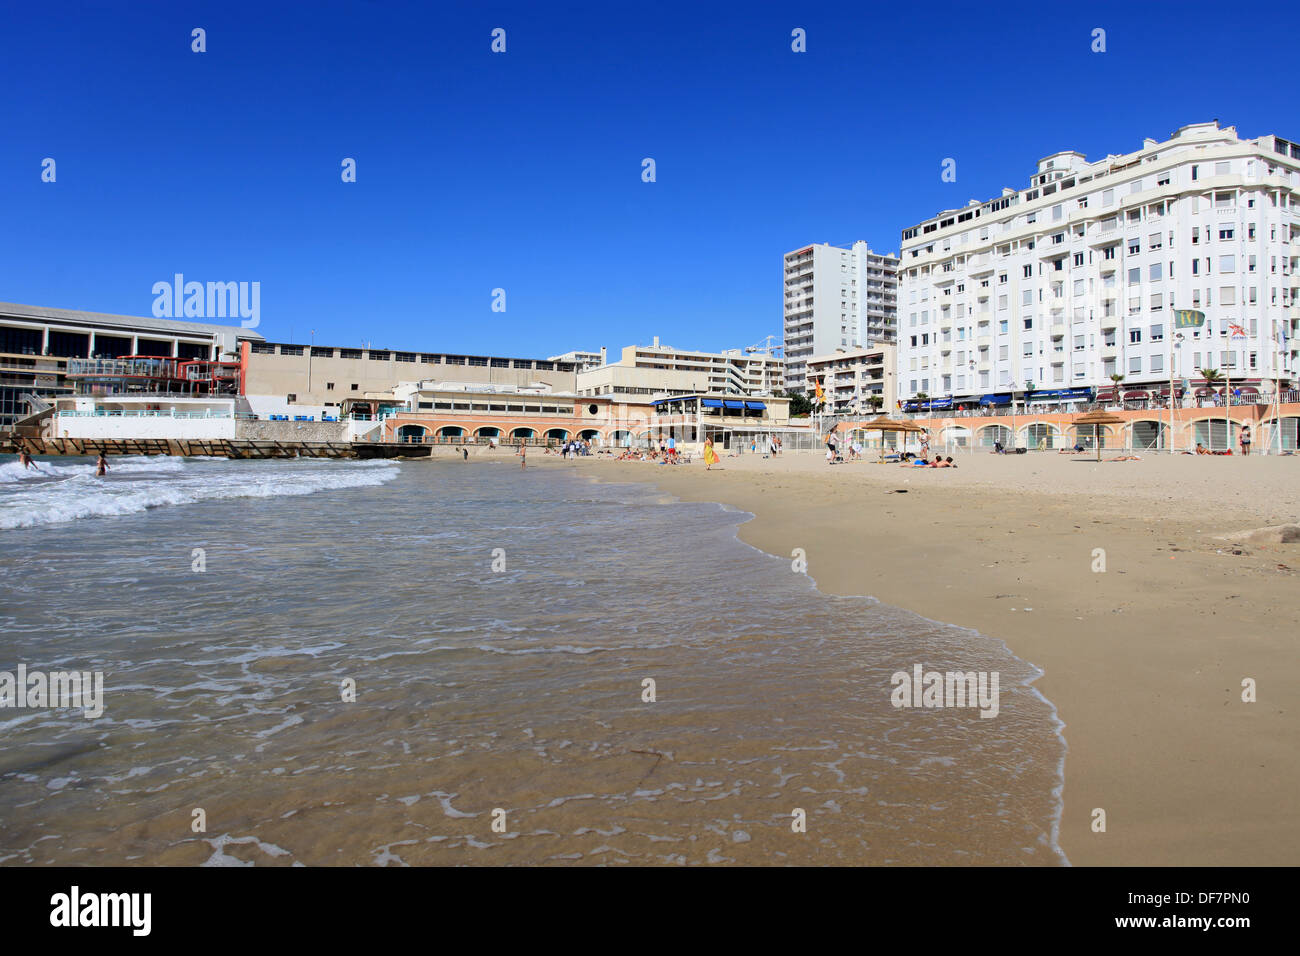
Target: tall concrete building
836,297
1073,279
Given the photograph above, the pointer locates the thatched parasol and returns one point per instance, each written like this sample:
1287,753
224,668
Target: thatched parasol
1096,420
884,424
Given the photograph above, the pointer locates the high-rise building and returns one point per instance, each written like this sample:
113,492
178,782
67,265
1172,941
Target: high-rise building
1073,280
836,297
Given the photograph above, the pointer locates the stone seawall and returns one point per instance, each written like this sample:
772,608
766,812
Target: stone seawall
246,430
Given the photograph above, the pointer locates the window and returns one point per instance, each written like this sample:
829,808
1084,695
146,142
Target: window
1135,364
1155,241
1156,271
1157,301
1029,272
1078,258
1227,295
1108,252
1135,276
1157,363
354,386
1135,336
1079,343
1227,263
1226,232
329,386
1157,333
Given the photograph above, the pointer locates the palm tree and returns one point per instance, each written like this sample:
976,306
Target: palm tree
875,401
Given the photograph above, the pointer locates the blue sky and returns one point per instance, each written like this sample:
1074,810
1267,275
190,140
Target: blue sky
522,170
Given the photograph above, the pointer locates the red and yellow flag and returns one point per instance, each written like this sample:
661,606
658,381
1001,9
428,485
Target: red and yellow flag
818,386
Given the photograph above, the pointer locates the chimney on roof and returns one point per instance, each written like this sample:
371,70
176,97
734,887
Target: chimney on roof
656,345
603,355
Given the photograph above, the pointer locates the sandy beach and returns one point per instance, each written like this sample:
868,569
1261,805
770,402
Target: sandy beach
1144,660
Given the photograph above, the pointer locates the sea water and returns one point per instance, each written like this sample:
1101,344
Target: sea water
447,662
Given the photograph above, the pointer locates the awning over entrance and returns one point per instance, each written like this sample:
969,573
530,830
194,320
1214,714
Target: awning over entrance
756,406
1061,395
1000,398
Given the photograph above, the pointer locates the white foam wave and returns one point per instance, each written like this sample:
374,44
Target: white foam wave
83,496
45,469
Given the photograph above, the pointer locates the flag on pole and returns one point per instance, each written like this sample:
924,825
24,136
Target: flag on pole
1188,319
1236,331
818,386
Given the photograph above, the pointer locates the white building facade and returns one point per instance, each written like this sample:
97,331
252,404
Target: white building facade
849,377
836,297
1073,280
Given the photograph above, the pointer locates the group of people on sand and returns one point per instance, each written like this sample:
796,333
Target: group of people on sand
665,454
26,460
922,462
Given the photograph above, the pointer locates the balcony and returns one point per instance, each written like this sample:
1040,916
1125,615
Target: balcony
1058,330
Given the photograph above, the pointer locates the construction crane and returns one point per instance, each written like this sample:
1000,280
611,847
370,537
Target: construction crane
766,347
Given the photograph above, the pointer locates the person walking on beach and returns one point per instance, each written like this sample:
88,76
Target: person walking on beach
101,466
925,444
464,451
523,456
710,456
1245,439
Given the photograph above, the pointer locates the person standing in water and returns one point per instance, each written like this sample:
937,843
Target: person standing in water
101,466
25,459
523,456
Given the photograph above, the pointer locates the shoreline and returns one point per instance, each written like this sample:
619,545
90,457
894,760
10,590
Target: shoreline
1142,662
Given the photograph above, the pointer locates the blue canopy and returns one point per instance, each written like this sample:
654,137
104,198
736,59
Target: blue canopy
756,406
1001,398
731,404
711,403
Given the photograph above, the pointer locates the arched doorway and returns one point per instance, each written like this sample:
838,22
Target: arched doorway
522,433
559,434
451,431
1290,427
956,436
412,433
1216,434
1149,435
622,438
590,435
488,431
990,435
1040,436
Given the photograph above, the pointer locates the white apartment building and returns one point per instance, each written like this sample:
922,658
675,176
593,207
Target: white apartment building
581,361
1074,279
849,377
660,371
836,297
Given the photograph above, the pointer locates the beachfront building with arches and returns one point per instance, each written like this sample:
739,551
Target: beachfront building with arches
459,413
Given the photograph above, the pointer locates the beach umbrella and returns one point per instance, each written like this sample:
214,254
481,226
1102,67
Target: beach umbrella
883,424
1096,420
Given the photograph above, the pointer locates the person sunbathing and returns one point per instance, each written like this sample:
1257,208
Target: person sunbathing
1200,449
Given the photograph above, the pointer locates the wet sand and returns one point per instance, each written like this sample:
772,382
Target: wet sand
1144,660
